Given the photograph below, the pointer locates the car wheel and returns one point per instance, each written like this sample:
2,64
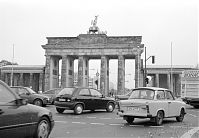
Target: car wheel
38,102
159,118
43,128
181,116
110,107
129,120
196,106
78,109
60,110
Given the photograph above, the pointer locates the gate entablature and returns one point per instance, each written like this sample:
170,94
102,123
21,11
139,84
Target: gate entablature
92,46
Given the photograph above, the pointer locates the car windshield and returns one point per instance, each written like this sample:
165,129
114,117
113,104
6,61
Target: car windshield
142,94
31,91
68,91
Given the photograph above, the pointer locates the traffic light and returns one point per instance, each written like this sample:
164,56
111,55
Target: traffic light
147,80
153,59
96,82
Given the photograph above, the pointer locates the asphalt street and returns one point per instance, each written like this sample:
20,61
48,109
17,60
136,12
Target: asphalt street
108,125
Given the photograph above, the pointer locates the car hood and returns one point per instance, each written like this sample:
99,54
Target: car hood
38,111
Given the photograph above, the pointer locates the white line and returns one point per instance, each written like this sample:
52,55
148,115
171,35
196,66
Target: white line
116,124
105,118
97,123
78,122
190,133
91,117
118,118
61,121
192,115
157,126
136,125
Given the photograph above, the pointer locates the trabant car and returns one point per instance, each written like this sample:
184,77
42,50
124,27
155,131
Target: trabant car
151,102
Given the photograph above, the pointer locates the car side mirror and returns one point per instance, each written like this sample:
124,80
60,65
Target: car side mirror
27,93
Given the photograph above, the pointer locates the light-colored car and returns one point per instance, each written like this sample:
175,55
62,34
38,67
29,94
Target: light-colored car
151,102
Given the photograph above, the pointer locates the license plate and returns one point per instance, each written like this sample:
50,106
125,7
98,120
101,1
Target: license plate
62,100
132,109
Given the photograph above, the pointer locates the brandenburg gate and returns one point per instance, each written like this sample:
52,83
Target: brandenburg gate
92,45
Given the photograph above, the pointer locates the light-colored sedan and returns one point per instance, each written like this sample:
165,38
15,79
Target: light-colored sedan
151,102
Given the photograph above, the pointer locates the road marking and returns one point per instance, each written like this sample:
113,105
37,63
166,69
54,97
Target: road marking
192,115
91,117
78,122
157,126
105,118
97,124
190,133
118,118
61,122
116,124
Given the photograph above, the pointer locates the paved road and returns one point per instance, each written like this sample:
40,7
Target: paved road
103,124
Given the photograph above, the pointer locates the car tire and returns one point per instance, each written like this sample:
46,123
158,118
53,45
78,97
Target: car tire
196,106
60,110
159,118
38,102
110,107
130,120
78,109
181,116
43,128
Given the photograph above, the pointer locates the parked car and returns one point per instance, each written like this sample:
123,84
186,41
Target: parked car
151,102
79,99
19,119
31,96
52,93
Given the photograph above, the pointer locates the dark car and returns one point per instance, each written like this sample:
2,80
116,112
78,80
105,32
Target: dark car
79,99
19,119
52,93
31,96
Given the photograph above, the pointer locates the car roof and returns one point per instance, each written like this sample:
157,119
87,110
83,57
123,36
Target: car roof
152,88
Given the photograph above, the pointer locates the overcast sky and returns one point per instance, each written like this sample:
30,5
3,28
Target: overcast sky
26,24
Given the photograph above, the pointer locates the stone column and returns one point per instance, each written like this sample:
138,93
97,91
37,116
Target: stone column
104,75
21,79
157,83
67,75
47,73
63,72
30,80
6,78
2,76
138,72
40,81
178,85
168,81
83,73
121,75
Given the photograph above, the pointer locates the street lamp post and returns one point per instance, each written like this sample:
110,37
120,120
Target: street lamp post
145,70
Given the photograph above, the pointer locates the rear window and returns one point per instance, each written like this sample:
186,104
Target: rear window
142,94
68,91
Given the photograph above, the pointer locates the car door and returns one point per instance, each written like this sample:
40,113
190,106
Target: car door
161,102
25,94
13,117
84,96
97,99
173,106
